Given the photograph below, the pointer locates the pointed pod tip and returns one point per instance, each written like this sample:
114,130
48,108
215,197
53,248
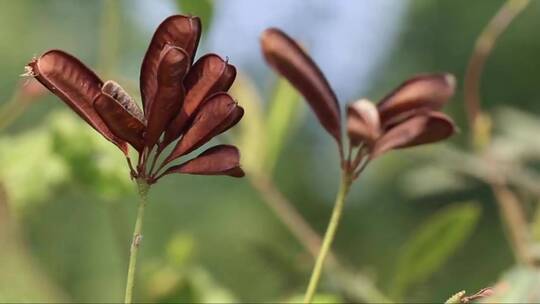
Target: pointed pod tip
271,39
236,172
267,33
180,16
29,70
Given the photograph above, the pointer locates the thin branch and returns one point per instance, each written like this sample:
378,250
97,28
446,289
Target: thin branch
516,224
355,285
482,49
509,206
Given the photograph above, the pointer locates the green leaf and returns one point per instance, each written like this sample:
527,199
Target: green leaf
282,117
201,8
433,244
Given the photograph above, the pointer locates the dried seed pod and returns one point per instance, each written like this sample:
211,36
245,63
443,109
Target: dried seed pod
170,92
363,123
180,31
216,115
290,61
438,127
418,130
120,121
218,160
427,92
114,90
209,75
76,85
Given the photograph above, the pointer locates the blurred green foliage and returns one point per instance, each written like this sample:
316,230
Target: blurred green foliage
30,169
282,118
431,246
71,202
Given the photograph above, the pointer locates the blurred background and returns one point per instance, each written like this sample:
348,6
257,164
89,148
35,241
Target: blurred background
419,225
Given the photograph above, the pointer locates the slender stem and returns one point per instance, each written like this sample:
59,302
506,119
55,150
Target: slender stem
482,49
143,188
355,285
516,223
329,236
510,208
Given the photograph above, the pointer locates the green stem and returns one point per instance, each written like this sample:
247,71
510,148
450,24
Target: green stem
328,236
143,188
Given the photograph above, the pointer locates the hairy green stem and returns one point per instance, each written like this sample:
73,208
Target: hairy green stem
328,236
143,188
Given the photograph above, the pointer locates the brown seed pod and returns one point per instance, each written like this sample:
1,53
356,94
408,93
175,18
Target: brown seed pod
218,160
290,61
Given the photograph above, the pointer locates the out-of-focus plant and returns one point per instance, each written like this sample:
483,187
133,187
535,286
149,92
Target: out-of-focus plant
432,245
409,116
462,297
518,285
261,155
91,161
512,209
177,275
24,280
276,127
30,168
501,147
185,105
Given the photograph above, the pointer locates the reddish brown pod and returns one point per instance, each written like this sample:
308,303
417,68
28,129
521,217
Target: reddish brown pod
408,116
183,101
184,104
288,59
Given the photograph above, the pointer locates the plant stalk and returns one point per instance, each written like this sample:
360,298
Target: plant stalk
512,212
517,229
142,187
355,285
483,47
328,236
